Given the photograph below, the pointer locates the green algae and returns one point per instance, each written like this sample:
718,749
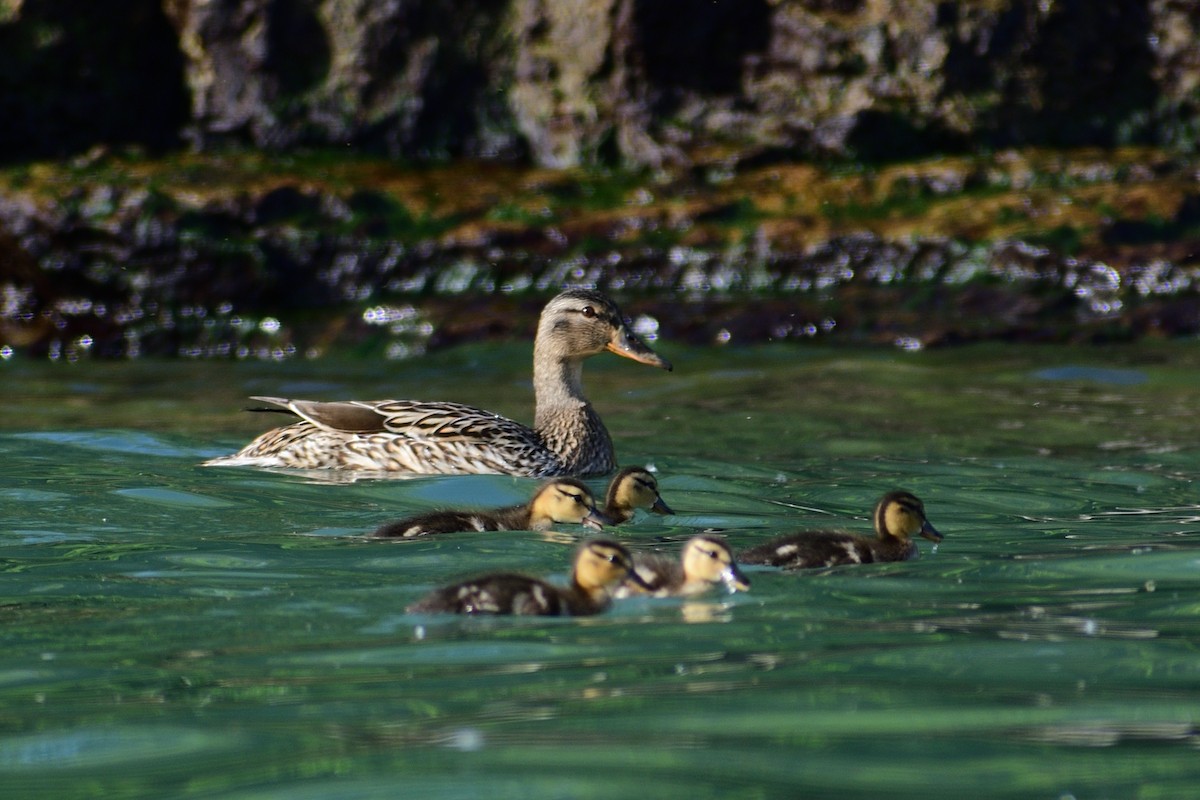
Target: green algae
187,253
981,198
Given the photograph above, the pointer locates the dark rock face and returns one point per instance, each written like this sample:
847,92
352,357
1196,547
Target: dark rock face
641,82
1088,77
76,74
404,77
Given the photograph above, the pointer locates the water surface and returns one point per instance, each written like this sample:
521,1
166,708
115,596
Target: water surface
173,630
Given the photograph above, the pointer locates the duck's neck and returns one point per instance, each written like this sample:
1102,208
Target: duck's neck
891,548
557,383
614,509
618,513
584,601
565,419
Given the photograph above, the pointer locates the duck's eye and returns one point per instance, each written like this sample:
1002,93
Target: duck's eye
588,312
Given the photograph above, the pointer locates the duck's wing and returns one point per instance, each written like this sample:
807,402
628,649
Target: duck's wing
398,436
342,417
414,418
808,549
449,421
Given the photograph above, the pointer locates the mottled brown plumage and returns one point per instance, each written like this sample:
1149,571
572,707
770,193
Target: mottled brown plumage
568,437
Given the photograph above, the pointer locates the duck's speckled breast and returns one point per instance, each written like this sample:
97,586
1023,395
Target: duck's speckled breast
580,439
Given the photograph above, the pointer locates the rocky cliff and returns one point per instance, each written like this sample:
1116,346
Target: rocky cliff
570,82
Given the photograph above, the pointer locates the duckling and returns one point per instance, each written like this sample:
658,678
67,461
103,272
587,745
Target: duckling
633,488
898,517
561,501
411,436
705,560
599,566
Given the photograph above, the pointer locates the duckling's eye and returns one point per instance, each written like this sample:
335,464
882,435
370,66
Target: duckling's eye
588,312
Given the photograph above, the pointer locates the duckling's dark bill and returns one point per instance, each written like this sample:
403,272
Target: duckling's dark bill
735,580
660,507
597,519
931,533
629,345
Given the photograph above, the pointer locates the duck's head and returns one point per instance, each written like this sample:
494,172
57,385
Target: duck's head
580,322
901,515
601,564
708,558
634,487
565,501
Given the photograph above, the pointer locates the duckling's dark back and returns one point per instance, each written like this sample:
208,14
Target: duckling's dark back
439,522
809,549
500,593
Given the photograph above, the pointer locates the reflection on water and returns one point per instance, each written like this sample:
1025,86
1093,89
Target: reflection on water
173,630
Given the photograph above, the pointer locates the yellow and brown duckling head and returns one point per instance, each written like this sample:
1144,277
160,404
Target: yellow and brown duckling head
580,322
630,489
565,501
708,558
900,516
601,565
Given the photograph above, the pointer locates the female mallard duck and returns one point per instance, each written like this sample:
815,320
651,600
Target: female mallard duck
898,517
600,565
561,501
705,560
411,436
633,488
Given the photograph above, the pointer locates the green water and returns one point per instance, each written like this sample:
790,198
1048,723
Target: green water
177,631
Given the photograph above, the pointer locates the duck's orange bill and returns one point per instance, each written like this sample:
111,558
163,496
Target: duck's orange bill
629,345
